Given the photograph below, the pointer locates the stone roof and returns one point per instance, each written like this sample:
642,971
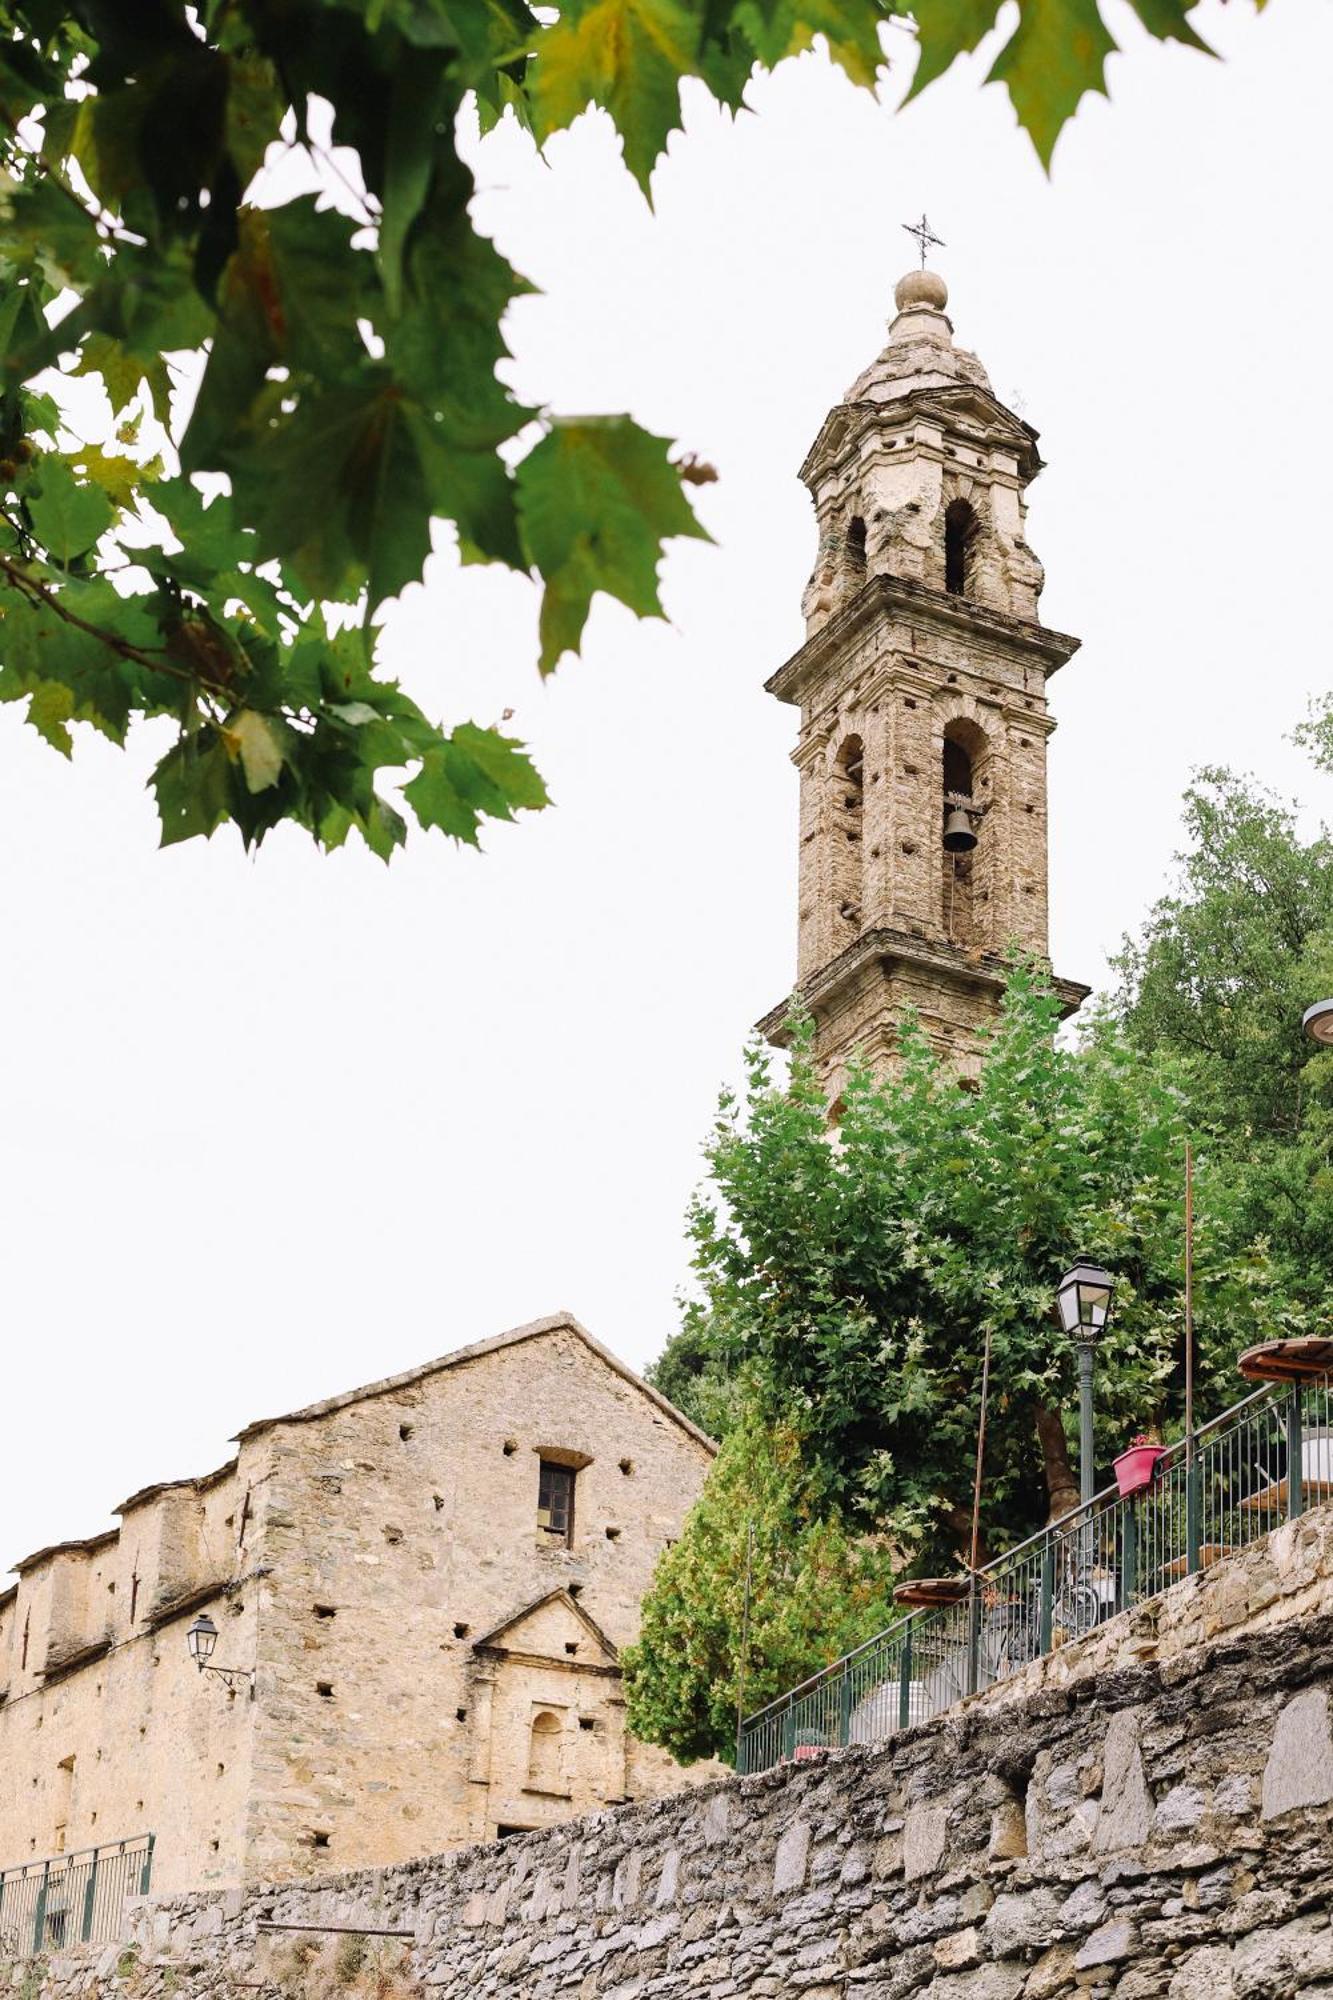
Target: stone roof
560,1322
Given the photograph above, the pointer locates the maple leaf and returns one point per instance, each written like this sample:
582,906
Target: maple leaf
1056,55
596,499
626,55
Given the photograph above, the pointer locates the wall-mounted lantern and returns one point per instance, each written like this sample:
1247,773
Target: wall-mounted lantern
201,1639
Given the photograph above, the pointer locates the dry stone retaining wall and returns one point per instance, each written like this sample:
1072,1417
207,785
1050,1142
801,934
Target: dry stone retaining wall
1161,1831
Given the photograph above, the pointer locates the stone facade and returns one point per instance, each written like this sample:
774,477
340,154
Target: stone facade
1154,1829
922,689
432,1663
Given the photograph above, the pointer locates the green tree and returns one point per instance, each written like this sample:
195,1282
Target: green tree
694,1375
1213,989
815,1591
853,1282
344,347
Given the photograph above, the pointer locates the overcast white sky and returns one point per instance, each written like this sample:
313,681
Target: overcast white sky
272,1128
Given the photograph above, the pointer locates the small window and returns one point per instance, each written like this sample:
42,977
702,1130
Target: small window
555,1502
587,1723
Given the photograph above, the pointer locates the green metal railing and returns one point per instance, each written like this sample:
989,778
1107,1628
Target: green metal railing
71,1899
1263,1461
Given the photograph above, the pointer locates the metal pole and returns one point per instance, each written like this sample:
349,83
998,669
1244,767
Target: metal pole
1192,1496
745,1637
1087,1475
1189,1303
981,1447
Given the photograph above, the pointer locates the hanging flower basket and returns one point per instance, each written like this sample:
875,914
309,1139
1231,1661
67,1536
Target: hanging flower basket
1136,1468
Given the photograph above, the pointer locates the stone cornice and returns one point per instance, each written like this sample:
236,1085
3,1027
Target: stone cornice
949,964
847,423
938,612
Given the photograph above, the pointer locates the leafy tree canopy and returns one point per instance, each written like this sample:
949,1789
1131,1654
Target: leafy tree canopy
344,357
852,1283
845,1289
1213,989
815,1591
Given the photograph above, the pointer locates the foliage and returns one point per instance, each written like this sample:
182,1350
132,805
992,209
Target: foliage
854,1282
323,367
1214,987
815,1591
691,1373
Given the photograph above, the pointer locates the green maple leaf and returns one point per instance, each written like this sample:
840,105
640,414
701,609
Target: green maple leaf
947,29
192,785
474,773
626,55
338,492
596,499
68,517
1166,20
850,27
123,374
1056,55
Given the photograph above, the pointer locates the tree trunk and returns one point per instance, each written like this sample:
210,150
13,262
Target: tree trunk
1061,1483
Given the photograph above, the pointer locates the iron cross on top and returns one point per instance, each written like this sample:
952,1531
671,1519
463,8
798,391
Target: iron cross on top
924,235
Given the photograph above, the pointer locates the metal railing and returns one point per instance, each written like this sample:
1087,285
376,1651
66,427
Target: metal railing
1261,1462
69,1899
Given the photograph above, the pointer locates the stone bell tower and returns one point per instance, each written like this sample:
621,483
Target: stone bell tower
922,692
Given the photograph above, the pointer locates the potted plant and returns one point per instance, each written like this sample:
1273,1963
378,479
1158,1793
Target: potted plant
1136,1468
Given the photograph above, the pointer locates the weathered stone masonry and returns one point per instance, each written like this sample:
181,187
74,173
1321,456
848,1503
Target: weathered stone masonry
1162,1829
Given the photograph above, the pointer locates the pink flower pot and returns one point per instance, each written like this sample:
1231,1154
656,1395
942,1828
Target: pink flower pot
1136,1468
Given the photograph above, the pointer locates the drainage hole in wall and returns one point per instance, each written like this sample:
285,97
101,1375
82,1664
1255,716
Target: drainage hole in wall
461,1631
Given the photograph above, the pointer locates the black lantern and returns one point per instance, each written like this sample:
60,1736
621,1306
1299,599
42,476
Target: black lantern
1084,1298
1317,1022
201,1638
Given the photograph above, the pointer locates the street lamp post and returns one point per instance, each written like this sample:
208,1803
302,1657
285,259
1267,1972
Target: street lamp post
1084,1298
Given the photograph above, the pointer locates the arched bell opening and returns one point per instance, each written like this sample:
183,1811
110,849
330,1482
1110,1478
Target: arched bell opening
965,862
960,538
848,780
854,550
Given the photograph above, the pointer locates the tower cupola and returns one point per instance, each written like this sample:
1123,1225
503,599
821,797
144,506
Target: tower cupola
922,693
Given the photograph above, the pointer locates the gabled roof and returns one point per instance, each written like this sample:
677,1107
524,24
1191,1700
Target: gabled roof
492,1641
561,1322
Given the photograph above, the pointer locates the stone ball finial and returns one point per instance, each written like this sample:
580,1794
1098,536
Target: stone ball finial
921,288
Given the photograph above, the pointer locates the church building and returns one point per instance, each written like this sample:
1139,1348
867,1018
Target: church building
419,1592
922,695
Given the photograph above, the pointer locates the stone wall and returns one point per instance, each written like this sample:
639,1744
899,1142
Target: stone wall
1162,1831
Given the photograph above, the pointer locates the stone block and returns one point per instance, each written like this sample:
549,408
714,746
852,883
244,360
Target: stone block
1204,1975
1126,1806
1299,1771
1106,1946
958,1951
924,1836
789,1862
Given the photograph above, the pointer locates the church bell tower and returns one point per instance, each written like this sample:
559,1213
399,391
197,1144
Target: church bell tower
922,695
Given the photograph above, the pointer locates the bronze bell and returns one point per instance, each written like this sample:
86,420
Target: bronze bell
958,835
